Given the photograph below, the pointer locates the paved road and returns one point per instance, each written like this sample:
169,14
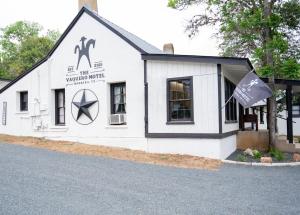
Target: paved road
36,181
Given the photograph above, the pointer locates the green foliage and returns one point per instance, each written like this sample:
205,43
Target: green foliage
241,158
257,154
278,155
22,45
243,26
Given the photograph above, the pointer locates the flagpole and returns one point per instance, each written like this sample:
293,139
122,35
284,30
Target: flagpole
227,101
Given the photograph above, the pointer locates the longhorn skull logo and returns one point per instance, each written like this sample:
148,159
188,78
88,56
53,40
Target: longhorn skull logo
250,85
84,50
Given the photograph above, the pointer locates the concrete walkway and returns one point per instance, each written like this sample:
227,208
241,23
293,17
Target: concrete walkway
37,181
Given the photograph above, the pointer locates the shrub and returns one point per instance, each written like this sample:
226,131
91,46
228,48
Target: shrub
242,158
278,155
257,154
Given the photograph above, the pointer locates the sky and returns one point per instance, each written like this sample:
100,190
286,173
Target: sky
151,20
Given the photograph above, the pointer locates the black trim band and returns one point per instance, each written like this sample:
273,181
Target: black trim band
192,135
219,71
199,59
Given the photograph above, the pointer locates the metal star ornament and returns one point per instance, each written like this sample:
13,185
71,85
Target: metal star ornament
83,106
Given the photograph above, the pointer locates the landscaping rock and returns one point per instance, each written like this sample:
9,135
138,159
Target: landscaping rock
248,152
266,160
296,157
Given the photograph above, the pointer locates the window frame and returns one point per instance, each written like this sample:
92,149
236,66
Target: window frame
57,117
231,103
21,97
112,97
180,122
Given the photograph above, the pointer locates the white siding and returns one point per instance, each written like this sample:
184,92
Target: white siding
281,123
122,63
205,95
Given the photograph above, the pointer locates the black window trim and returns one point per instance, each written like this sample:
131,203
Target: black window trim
56,91
21,93
236,109
112,85
180,122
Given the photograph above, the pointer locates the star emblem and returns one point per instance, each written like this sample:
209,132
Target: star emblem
83,107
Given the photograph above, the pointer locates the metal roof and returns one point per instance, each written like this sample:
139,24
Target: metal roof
142,44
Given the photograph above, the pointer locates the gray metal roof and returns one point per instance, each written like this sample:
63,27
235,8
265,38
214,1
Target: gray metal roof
142,44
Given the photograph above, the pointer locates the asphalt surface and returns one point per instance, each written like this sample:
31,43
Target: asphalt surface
37,181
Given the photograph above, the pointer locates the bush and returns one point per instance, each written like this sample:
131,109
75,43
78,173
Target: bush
257,154
242,158
278,155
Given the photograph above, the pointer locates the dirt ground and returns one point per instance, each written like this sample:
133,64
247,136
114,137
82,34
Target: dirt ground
182,161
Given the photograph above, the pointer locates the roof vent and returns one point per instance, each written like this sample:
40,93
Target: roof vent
91,4
168,48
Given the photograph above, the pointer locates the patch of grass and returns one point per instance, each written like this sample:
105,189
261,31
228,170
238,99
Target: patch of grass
278,155
257,154
241,158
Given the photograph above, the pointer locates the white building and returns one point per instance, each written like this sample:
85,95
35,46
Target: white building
103,85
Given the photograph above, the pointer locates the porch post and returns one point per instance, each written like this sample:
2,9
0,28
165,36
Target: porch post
268,110
289,121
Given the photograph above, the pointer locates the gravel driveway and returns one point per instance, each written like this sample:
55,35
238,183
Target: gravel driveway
37,181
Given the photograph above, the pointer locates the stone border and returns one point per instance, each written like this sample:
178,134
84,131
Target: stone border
261,164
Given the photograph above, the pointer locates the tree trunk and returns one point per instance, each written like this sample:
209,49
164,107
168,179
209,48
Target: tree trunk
270,64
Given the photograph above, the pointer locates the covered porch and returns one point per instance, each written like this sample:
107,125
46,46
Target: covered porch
254,123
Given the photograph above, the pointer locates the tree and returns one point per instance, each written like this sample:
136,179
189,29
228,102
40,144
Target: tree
22,45
266,31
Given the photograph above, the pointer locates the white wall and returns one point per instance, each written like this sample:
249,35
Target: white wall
122,63
205,96
281,123
212,148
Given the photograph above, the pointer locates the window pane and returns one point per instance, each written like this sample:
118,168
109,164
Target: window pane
117,90
62,119
231,106
60,99
118,98
23,101
180,100
59,106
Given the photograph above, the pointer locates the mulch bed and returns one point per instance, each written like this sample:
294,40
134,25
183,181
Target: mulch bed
288,157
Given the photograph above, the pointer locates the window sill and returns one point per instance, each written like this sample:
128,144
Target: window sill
22,112
124,126
231,121
59,127
180,123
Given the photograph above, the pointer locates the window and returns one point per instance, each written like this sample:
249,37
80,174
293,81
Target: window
60,107
296,105
118,98
261,115
180,100
230,109
24,101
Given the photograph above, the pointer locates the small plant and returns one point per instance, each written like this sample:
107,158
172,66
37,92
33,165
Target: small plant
257,154
242,158
278,155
